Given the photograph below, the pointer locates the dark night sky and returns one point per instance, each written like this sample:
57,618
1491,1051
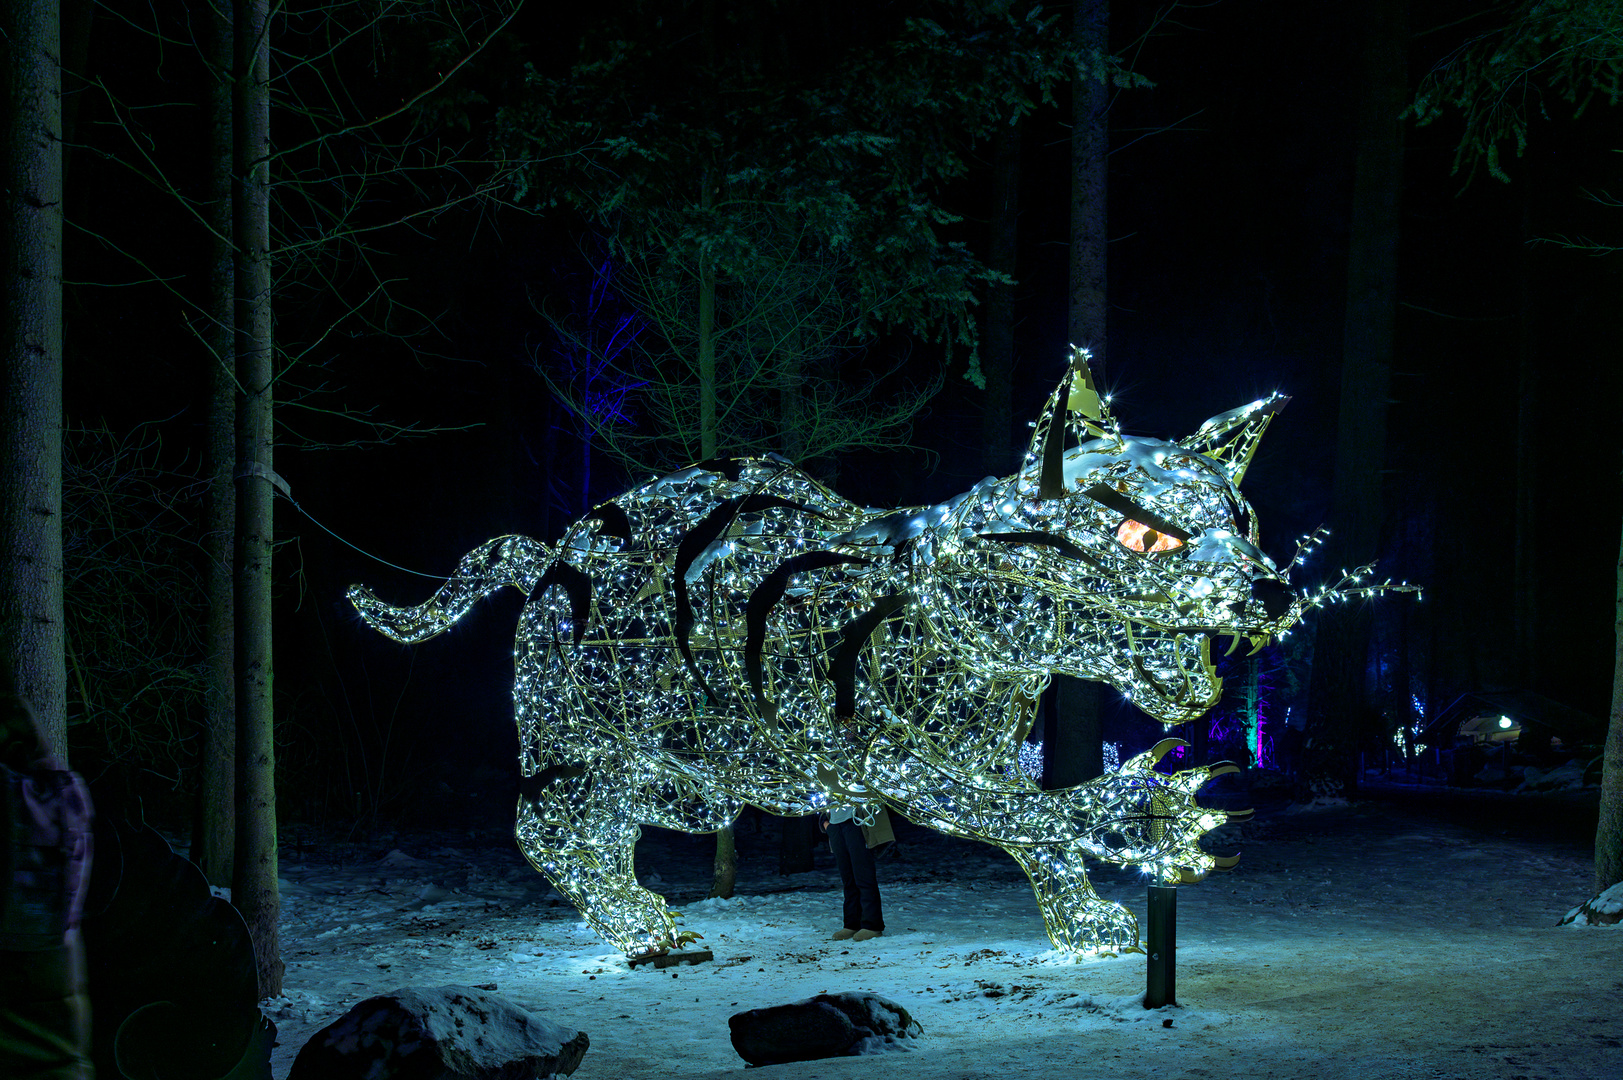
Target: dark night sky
1226,281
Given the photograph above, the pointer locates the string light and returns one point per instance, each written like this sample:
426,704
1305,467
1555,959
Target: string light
736,633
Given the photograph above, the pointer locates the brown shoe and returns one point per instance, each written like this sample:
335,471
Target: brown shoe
844,935
864,935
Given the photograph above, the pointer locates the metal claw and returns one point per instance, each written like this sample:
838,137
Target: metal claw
1226,862
1159,750
1234,643
1221,768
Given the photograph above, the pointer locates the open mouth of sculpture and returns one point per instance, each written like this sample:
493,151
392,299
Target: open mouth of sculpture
1169,671
1172,674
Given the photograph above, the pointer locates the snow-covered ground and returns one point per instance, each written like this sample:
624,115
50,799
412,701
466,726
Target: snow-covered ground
1373,940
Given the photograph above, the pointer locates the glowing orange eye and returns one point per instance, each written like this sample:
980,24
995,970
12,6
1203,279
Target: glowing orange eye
1137,536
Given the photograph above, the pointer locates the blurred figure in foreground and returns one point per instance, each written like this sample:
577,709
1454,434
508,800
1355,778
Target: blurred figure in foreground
44,870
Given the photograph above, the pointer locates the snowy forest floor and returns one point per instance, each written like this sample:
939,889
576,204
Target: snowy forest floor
1412,934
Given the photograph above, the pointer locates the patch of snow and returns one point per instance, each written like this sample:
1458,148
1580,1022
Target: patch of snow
881,1044
1325,955
433,893
399,859
1317,802
300,1007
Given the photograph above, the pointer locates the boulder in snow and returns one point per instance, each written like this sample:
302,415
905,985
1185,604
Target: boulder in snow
1569,776
440,1033
828,1025
1603,910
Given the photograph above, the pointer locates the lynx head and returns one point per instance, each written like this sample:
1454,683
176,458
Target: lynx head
1125,557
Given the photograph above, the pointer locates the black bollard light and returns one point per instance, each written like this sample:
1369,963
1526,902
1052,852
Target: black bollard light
1161,943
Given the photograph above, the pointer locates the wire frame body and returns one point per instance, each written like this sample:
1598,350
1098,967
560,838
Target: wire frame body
737,633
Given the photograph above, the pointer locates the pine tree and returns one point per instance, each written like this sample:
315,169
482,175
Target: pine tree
32,644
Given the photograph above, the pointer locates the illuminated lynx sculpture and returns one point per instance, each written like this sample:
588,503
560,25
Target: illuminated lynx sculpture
737,633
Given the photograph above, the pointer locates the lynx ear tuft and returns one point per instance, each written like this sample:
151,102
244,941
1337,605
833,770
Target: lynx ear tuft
1084,397
1231,438
1075,394
1052,482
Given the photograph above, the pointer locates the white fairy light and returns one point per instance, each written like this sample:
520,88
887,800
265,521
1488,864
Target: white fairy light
736,633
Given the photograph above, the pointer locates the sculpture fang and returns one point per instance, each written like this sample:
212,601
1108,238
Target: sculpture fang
737,633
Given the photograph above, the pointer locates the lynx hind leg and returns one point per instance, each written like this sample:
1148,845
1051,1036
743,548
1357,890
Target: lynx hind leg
577,827
1077,918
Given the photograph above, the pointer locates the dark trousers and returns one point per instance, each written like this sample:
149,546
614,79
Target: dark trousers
45,1014
855,861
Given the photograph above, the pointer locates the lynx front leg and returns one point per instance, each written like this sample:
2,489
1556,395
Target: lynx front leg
1133,816
1077,918
579,829
1038,830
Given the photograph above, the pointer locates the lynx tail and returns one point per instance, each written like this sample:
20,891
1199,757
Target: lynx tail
507,560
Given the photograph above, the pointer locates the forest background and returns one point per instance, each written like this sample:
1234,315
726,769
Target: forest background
461,231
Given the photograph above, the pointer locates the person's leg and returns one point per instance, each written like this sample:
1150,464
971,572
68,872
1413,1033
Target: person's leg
840,841
866,878
44,1015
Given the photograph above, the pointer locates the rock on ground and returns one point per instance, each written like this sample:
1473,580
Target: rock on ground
440,1033
1603,910
828,1025
1566,777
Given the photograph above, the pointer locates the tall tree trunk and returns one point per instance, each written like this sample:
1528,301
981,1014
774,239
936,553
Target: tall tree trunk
253,884
999,450
707,363
1252,699
791,400
725,870
1372,273
1073,729
1339,701
32,643
1609,831
726,863
1073,733
1525,573
1090,152
214,832
796,852
707,332
798,834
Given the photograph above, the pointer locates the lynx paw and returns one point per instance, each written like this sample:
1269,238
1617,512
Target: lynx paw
1149,819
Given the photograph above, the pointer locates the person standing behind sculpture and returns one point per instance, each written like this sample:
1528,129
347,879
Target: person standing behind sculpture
853,834
44,870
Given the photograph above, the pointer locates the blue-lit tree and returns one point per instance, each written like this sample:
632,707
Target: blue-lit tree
587,368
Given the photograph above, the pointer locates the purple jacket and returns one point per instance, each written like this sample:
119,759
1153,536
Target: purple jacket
44,855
